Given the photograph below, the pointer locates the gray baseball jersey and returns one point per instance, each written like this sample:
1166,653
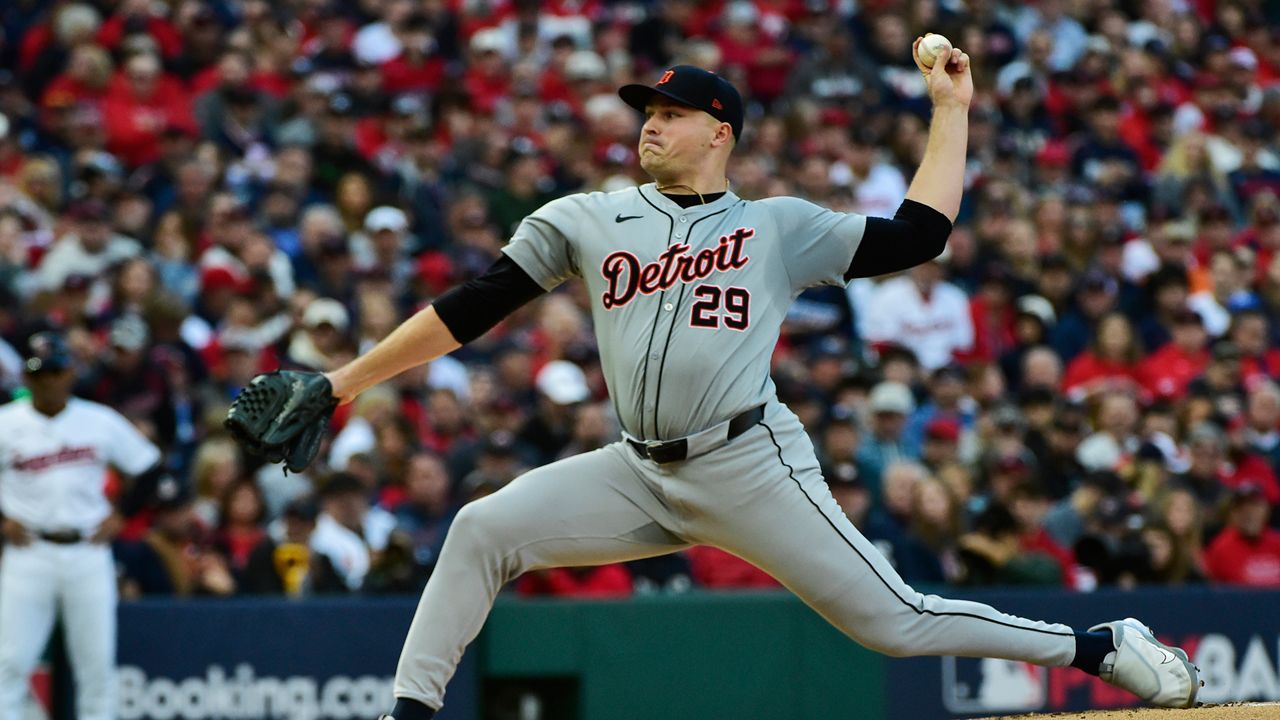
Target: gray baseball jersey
687,302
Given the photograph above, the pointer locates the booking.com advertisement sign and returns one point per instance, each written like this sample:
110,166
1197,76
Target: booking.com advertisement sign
1232,635
268,660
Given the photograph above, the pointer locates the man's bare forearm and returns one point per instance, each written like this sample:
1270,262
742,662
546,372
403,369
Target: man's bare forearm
419,339
939,182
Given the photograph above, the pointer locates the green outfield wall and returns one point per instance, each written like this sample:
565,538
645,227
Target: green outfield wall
688,657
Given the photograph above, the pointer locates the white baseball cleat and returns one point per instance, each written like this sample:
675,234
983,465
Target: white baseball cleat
1148,668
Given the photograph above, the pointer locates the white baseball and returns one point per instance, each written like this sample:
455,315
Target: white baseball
933,47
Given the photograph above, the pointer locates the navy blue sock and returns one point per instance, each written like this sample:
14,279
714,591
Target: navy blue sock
407,709
1091,650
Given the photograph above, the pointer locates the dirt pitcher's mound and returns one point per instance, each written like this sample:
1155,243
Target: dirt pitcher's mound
1234,711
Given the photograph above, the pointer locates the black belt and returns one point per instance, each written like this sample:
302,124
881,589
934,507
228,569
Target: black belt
677,450
61,537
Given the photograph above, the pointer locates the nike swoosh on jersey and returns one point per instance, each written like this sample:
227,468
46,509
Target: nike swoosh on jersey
623,218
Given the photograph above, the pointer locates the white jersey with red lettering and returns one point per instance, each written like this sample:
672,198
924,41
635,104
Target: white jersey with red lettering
53,472
53,469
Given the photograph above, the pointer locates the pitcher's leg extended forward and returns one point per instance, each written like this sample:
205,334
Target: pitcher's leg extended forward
785,521
793,529
589,509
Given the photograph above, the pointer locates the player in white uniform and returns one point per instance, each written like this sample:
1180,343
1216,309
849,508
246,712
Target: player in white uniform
58,523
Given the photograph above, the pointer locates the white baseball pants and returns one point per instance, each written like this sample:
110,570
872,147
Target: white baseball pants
37,582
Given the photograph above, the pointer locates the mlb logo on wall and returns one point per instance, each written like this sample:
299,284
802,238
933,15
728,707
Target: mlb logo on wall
980,685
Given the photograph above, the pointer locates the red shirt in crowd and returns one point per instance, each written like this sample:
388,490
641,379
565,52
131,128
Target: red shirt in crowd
402,75
1166,372
1090,373
485,90
1237,560
135,123
1041,542
65,90
715,568
992,330
1266,365
369,137
767,78
238,544
605,581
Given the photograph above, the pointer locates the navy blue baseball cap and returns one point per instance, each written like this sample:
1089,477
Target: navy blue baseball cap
695,87
47,351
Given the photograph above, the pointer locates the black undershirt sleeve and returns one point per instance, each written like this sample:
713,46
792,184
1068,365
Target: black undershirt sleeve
916,234
472,308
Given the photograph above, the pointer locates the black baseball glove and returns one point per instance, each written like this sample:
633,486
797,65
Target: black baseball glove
282,416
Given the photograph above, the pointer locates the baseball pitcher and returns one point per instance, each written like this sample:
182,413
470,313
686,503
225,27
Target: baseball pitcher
689,285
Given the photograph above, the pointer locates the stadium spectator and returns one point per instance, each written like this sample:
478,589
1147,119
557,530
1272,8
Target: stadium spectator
141,106
1178,511
87,252
198,196
991,554
174,558
945,400
562,386
289,566
1246,552
1115,435
1109,365
889,404
937,520
1167,372
242,514
889,526
426,511
923,313
348,530
1262,431
1251,332
1030,507
214,469
1168,288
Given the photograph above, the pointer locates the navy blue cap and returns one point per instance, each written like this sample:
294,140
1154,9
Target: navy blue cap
47,351
695,87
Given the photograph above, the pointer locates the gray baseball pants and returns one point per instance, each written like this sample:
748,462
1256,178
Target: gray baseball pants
760,496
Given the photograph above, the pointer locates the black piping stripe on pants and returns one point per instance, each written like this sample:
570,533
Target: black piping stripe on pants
883,581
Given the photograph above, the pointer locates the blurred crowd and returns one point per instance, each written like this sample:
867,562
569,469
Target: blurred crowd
1081,392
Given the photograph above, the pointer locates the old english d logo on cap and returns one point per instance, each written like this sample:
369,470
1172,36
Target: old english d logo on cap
695,87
